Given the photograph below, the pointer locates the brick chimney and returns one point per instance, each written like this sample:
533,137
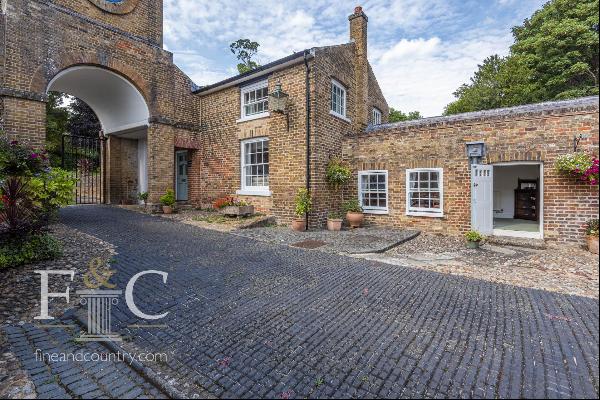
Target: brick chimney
358,35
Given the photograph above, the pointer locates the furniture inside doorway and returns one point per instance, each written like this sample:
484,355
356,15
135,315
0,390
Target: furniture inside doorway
527,199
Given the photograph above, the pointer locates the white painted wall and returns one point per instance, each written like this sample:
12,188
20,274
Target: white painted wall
142,153
506,179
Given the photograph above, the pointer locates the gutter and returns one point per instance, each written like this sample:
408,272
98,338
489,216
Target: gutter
307,95
266,69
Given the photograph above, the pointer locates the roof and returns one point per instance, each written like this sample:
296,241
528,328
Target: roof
546,107
255,73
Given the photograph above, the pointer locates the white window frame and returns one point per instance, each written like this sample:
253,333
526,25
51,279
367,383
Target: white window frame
371,209
376,116
251,190
425,212
344,91
249,88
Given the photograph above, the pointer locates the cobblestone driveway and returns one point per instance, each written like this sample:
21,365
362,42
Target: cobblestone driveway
252,319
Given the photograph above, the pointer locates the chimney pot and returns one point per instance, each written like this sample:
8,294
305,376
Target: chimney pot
357,10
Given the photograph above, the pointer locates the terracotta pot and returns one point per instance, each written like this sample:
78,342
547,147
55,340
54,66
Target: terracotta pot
592,243
472,245
299,225
167,209
355,219
334,224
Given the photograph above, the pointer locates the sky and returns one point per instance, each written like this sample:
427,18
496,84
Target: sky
421,50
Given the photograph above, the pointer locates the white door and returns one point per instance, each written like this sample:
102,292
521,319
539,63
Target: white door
482,198
181,167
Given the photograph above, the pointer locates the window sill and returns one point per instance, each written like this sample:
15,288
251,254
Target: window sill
246,192
377,212
340,116
424,214
253,117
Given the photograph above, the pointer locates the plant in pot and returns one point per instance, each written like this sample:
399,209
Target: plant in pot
591,232
354,213
167,201
303,206
474,239
334,221
143,197
338,173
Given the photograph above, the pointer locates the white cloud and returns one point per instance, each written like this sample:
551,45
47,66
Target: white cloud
421,74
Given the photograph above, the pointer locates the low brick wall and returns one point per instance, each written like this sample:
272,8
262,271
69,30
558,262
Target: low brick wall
528,133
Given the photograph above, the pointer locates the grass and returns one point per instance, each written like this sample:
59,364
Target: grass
212,219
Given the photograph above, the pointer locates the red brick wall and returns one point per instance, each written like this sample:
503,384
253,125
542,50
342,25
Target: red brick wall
523,134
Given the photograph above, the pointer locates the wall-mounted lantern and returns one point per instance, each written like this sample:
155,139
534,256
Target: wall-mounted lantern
475,152
278,102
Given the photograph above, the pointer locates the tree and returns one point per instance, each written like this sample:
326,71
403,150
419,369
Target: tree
57,118
82,120
554,56
244,49
559,43
399,116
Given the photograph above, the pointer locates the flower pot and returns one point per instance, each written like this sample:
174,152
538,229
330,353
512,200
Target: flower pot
472,245
167,209
299,225
237,211
334,224
592,243
355,219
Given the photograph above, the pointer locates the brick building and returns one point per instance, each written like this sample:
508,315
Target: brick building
226,138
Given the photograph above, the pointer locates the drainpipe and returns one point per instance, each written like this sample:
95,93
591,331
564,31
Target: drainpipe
307,95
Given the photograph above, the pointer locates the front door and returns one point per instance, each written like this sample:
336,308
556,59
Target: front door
482,198
181,168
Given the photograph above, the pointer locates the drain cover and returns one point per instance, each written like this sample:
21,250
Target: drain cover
309,244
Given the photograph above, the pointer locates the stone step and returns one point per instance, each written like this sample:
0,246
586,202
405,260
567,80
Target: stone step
538,244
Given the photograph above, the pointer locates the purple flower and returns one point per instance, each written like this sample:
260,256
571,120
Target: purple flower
34,155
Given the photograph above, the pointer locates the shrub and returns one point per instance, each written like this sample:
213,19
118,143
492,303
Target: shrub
338,172
592,227
168,199
473,236
33,248
303,202
352,206
53,189
143,196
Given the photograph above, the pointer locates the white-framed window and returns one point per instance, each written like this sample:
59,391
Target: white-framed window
255,100
373,191
425,192
376,120
255,167
338,100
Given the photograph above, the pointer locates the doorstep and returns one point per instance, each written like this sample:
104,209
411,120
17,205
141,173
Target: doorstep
530,243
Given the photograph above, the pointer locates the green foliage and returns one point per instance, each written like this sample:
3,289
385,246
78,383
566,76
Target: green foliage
573,164
399,116
591,228
143,196
338,172
303,202
554,56
17,159
244,50
57,118
352,206
168,199
473,236
27,250
52,189
83,120
335,215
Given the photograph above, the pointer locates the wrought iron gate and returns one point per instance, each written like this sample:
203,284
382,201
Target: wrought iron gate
84,157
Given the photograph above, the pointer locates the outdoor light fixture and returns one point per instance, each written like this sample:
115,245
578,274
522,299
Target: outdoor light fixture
278,102
475,152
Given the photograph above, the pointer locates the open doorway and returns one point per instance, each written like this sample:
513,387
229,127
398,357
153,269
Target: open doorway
517,200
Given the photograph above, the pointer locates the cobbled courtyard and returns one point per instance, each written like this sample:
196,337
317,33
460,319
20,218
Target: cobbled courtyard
255,319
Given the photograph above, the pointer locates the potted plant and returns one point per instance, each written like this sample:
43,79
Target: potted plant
334,221
592,235
168,200
143,197
237,208
303,206
474,238
354,213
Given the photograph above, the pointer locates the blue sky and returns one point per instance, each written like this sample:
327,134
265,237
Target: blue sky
421,50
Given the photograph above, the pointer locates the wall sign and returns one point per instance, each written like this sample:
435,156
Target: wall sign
116,6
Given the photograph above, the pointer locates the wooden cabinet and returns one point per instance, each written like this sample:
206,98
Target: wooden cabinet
527,200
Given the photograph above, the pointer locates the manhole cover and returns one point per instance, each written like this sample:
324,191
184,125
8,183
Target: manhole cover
309,244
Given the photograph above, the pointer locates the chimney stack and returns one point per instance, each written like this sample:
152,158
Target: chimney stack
358,35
